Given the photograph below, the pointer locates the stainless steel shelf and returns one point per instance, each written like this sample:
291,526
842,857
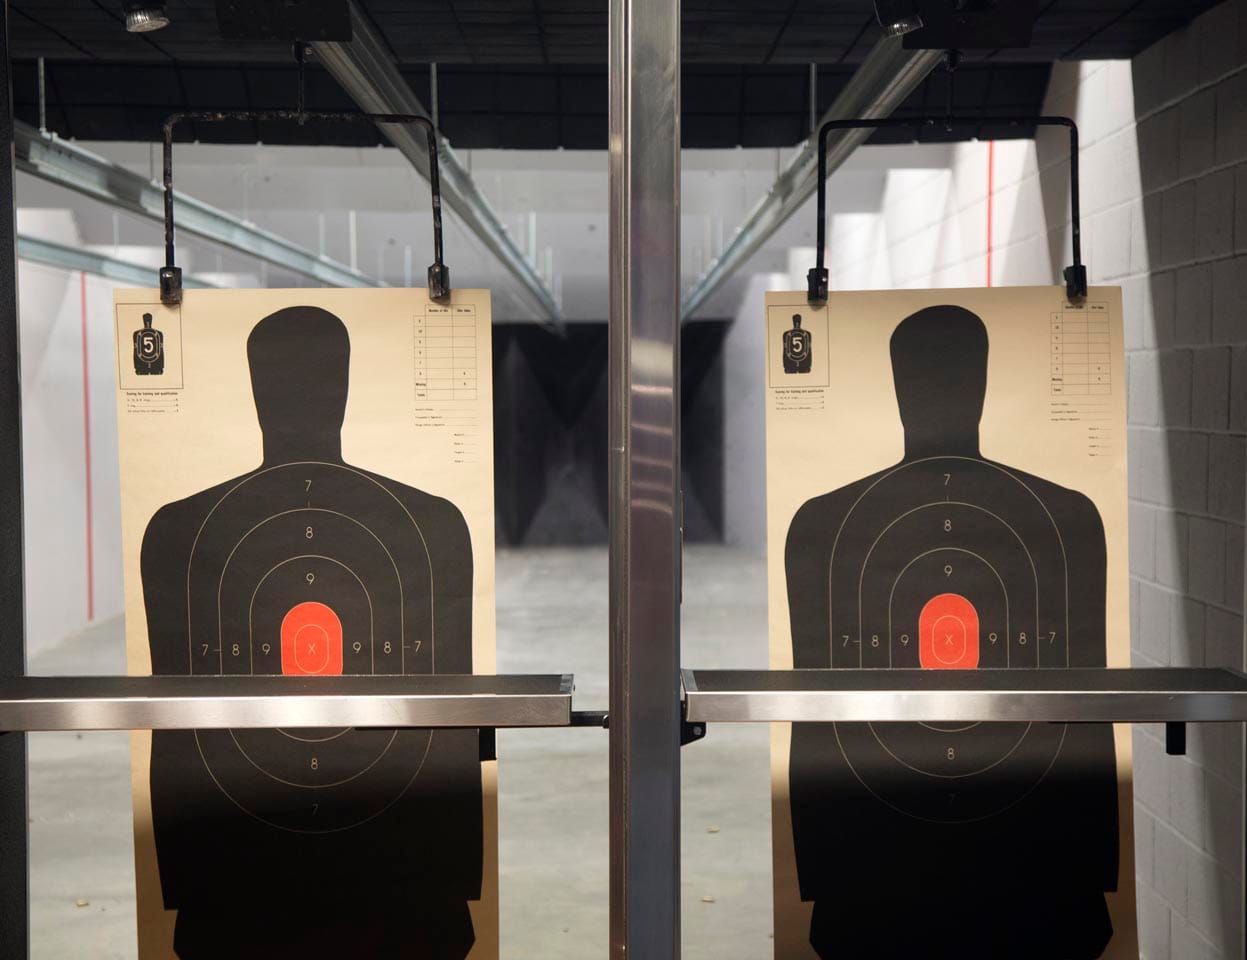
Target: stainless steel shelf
937,696
179,703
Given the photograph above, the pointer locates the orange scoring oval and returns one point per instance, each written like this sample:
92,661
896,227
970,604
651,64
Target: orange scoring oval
948,633
311,641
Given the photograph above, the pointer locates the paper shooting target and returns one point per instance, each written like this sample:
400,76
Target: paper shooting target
948,563
311,568
947,560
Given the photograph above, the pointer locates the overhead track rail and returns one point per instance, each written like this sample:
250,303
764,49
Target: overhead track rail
365,69
68,165
50,254
886,77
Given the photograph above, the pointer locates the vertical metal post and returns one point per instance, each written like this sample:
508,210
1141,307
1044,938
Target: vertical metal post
644,479
43,98
14,891
813,99
434,99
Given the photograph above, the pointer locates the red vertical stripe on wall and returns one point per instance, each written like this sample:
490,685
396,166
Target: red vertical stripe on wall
86,446
991,189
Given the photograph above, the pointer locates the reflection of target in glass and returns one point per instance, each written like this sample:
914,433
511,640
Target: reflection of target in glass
930,569
311,569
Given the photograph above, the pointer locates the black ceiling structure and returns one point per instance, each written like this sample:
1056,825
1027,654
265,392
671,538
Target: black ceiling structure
531,74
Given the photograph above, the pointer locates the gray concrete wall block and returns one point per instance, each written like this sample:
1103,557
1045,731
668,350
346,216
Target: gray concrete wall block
1142,540
1227,476
1155,622
1234,562
1144,844
1240,207
1207,560
1187,470
1110,236
1223,643
1238,390
1171,549
1138,442
1217,30
1217,747
1232,119
1193,305
1143,388
1187,800
1148,76
1177,225
1153,227
1175,387
1181,64
1159,143
1186,640
1214,898
1151,786
1137,313
1154,918
1214,214
1171,866
1210,382
1229,300
1163,288
1225,821
1198,131
1187,943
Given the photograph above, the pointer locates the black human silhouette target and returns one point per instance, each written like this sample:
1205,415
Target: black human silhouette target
948,560
330,574
309,566
947,563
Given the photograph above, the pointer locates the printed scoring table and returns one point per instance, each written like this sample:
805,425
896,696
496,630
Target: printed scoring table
444,351
1081,345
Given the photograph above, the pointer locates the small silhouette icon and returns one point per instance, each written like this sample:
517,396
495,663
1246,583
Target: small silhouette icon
149,349
797,348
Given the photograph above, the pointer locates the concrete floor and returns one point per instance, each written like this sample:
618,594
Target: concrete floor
552,783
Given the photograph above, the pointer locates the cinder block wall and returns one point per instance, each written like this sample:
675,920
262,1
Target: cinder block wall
1164,188
1187,347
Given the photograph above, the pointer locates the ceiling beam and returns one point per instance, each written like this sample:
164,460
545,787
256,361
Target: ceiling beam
886,77
366,70
88,261
68,165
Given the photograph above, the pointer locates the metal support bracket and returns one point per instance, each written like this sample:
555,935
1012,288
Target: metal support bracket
488,739
1175,739
171,274
691,731
1075,275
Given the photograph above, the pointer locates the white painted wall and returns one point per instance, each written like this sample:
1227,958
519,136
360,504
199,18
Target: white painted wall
67,402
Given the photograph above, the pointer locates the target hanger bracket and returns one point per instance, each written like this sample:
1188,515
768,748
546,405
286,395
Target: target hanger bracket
171,274
1075,275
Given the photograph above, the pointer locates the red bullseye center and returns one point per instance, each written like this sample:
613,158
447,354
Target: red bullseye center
311,641
311,648
948,631
949,638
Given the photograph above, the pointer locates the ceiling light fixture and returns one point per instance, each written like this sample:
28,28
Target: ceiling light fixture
144,16
898,17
